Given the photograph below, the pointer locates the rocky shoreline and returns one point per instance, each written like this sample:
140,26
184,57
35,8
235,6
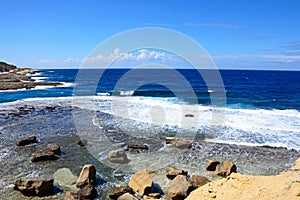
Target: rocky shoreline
20,78
34,149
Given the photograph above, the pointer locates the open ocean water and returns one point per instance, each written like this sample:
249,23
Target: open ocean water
261,111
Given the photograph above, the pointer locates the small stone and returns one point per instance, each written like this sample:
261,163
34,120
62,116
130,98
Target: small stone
198,181
26,141
211,165
87,192
152,196
55,148
118,156
169,140
141,182
127,196
189,115
225,168
43,155
118,191
34,186
137,146
172,172
180,188
82,143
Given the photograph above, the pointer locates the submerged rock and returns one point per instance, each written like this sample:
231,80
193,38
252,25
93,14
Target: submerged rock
34,186
141,182
211,165
118,156
26,141
180,188
225,168
172,172
118,191
189,115
181,144
65,177
43,155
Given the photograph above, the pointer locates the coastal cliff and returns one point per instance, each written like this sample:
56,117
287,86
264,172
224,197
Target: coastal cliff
13,78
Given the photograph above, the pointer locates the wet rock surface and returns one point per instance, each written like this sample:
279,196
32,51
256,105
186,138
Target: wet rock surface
34,186
26,141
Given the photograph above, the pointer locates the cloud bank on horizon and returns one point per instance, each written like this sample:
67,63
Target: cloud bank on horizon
237,34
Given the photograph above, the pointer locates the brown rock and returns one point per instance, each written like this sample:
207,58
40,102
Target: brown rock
137,146
26,141
55,148
34,186
87,192
87,176
141,182
43,155
172,172
211,165
127,196
181,144
198,181
225,168
70,196
118,156
180,188
118,191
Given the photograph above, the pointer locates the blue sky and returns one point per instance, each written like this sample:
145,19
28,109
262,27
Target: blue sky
240,34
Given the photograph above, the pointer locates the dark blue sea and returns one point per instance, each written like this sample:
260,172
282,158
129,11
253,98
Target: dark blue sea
259,107
244,89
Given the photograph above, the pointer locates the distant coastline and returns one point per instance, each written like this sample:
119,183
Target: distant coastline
14,78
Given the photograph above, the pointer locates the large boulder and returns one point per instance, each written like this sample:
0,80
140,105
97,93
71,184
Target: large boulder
127,196
118,156
87,176
55,148
34,186
180,188
225,168
198,181
43,155
118,191
26,141
172,172
211,165
141,182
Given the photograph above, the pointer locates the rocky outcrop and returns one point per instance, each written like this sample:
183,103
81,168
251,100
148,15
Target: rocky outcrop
43,155
4,67
118,191
26,141
211,165
141,182
198,181
180,188
172,172
127,196
34,186
118,156
225,168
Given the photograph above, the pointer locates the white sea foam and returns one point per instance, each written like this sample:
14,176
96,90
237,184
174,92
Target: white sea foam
256,127
126,93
